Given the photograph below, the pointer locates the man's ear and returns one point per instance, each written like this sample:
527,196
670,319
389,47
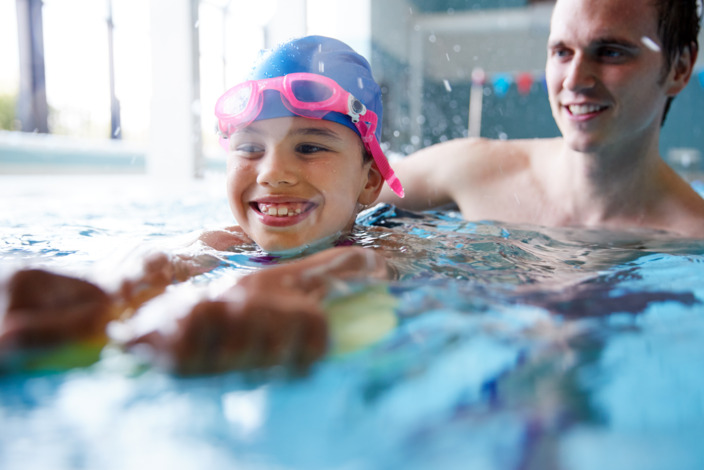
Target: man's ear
681,70
372,187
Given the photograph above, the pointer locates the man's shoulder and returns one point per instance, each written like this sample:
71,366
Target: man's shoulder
485,148
489,156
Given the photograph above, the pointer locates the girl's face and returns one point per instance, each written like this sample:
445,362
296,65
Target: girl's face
294,181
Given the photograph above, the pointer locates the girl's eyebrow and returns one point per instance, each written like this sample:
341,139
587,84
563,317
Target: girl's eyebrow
248,130
301,131
317,132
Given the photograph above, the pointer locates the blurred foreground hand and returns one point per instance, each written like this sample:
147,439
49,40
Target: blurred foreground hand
39,310
262,321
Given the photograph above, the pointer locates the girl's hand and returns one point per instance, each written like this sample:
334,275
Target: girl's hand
41,309
255,324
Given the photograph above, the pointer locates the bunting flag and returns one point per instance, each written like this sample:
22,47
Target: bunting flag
501,83
524,82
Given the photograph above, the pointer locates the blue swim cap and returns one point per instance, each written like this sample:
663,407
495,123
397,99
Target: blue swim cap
322,56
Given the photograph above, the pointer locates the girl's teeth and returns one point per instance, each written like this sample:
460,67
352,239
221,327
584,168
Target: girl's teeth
281,211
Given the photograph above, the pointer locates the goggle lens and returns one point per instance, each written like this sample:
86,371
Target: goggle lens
308,91
237,102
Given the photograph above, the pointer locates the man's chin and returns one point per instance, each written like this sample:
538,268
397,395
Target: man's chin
582,143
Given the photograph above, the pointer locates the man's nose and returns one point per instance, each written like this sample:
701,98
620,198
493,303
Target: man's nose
580,74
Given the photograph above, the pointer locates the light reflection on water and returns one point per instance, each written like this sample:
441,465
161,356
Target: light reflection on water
517,348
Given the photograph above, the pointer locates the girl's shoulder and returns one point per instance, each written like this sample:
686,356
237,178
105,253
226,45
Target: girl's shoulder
223,239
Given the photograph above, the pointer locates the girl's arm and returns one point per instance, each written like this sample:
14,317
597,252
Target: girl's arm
270,317
42,309
159,269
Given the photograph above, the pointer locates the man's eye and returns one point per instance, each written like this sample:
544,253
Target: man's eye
610,53
561,53
614,54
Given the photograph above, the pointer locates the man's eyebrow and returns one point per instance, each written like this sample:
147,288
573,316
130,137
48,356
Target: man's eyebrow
554,44
601,42
614,41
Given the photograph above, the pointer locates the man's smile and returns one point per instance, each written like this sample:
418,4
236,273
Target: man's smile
579,110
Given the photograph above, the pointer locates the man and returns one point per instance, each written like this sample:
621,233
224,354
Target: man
613,67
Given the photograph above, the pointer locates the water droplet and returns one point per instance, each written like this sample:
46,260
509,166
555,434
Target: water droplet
448,87
650,44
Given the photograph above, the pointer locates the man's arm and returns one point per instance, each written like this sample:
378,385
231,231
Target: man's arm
435,175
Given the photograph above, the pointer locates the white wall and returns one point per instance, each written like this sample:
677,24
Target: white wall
174,150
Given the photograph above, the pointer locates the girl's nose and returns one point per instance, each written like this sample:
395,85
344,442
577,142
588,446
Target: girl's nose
277,168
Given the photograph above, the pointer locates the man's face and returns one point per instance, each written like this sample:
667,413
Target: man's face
295,181
605,73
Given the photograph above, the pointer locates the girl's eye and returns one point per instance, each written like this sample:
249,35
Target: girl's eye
248,150
309,149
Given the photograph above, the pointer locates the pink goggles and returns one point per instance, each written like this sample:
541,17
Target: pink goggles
308,95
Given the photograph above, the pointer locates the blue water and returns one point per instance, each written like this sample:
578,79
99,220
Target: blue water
517,348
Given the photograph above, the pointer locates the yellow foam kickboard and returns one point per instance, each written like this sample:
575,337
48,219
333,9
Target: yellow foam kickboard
360,319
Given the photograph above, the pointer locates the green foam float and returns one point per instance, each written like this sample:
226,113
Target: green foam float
361,319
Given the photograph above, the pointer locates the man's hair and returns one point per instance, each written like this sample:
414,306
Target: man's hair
678,29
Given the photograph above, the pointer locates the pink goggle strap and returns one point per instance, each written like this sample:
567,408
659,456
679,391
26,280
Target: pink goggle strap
384,167
366,127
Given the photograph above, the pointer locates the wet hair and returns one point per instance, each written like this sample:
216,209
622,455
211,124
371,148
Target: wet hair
366,155
678,29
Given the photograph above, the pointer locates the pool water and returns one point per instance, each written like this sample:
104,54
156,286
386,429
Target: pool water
517,347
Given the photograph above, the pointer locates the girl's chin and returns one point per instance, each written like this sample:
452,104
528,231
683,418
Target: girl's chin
304,246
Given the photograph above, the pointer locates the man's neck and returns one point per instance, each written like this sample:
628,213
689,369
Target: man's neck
609,184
